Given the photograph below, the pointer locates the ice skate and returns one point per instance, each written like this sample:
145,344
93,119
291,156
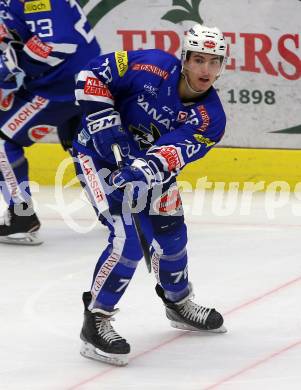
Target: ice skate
100,340
19,226
188,315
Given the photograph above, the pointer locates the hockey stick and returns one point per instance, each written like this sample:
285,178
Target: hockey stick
135,217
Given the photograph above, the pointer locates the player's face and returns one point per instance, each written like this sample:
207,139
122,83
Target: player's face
201,70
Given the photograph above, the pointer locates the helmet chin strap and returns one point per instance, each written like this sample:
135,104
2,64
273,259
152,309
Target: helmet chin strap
189,86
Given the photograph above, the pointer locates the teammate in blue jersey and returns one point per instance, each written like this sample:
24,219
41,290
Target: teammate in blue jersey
43,45
163,114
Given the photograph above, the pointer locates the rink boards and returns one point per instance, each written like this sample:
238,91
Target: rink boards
227,167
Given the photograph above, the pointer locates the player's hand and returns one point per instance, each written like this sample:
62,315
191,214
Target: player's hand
139,175
106,130
132,177
121,177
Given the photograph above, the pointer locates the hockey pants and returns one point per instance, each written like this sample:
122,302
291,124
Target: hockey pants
162,223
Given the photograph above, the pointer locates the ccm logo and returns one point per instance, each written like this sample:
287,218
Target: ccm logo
103,123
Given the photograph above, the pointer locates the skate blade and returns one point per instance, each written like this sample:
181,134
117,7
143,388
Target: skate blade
179,325
22,239
91,352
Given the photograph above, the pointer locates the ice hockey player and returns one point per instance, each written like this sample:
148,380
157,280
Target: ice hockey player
163,113
43,45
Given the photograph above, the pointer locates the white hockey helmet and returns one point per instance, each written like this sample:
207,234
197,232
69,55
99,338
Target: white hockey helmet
204,39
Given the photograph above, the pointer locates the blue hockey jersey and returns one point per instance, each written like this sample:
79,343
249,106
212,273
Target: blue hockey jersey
56,42
143,86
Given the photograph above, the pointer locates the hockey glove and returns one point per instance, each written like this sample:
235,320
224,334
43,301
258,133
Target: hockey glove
11,76
106,130
139,175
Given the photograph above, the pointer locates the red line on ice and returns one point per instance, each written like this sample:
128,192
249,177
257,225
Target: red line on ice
229,377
